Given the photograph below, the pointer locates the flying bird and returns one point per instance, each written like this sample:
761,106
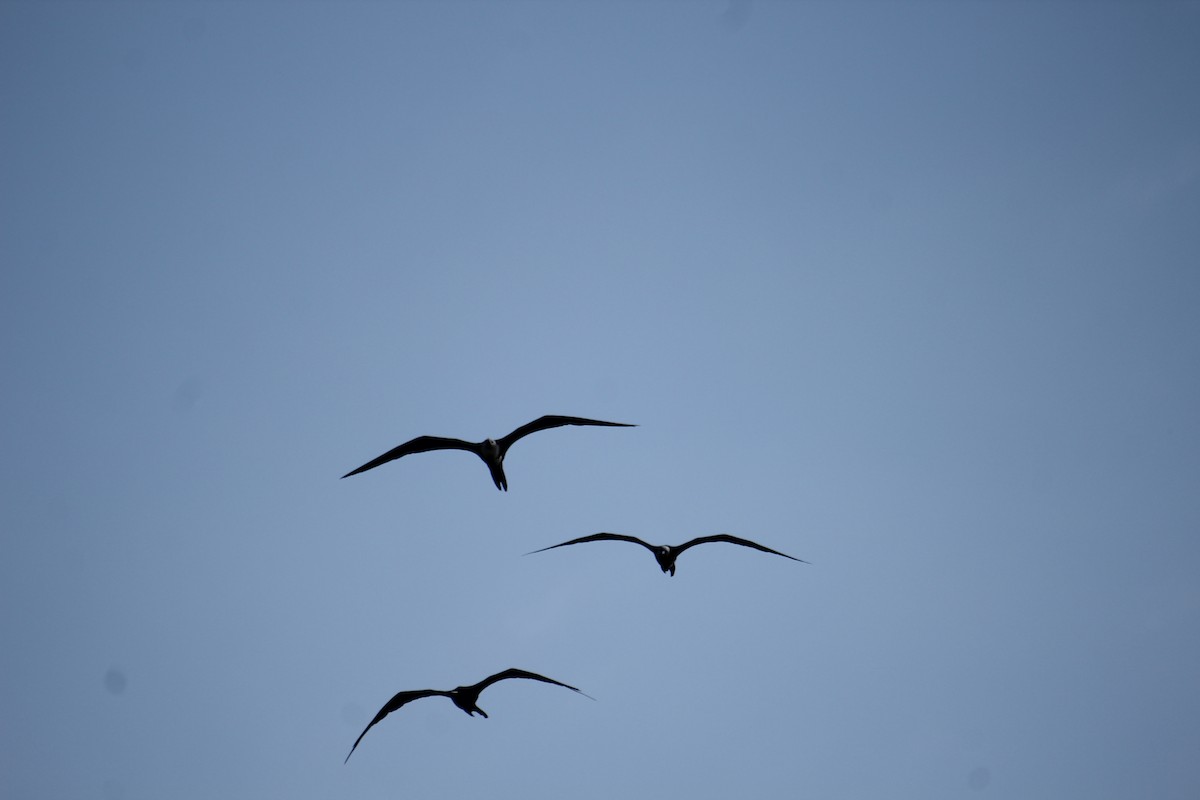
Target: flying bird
492,451
465,697
665,554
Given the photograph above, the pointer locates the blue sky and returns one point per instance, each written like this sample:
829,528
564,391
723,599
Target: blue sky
907,290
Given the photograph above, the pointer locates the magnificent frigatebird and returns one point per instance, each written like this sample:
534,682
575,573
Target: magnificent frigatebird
465,697
665,554
492,451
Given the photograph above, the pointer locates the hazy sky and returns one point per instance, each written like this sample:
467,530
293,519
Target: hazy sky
910,290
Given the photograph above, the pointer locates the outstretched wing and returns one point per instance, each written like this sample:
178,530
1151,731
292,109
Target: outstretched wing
551,421
600,537
400,699
521,673
725,537
421,444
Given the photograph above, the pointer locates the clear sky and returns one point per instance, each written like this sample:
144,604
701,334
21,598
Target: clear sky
908,290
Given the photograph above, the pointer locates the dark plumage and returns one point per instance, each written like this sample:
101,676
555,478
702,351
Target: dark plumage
492,451
665,554
465,697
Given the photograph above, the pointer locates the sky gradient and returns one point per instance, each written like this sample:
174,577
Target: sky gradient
910,291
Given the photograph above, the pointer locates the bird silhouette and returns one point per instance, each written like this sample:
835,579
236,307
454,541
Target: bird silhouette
665,554
492,451
465,697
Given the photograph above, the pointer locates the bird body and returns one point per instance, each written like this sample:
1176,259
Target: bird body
490,451
666,554
465,697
